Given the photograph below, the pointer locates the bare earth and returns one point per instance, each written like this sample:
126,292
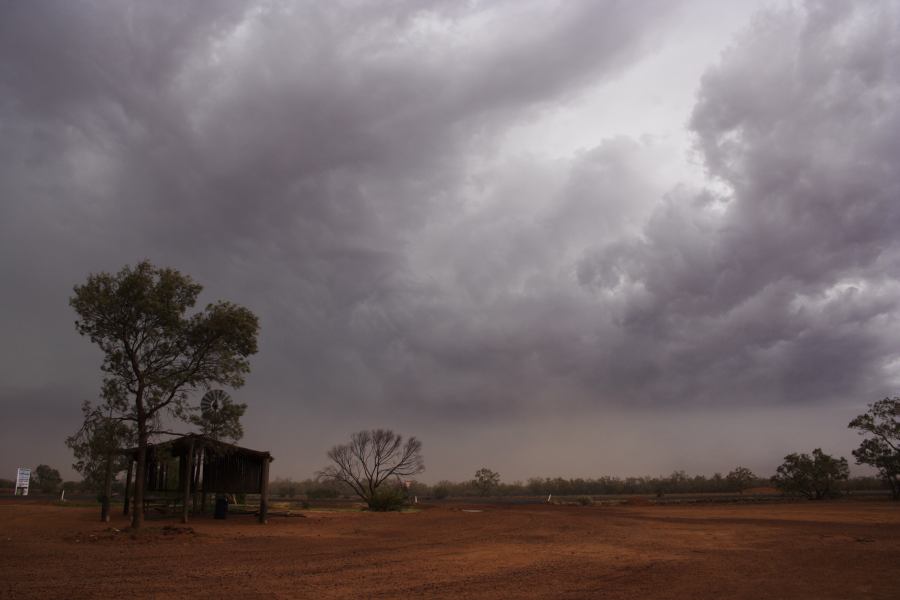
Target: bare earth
846,550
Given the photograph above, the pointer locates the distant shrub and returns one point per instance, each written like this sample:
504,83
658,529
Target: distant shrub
322,493
387,498
440,492
285,488
584,500
305,505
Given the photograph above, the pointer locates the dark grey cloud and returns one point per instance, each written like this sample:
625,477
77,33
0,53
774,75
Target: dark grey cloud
340,169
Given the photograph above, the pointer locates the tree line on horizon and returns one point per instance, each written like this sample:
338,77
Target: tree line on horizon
157,358
678,482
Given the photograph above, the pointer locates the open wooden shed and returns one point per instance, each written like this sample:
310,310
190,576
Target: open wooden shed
194,466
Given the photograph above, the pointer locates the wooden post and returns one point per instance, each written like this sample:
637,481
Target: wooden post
198,463
107,489
187,474
264,490
140,481
128,486
203,483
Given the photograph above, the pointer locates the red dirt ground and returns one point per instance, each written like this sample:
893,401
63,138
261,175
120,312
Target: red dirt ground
804,550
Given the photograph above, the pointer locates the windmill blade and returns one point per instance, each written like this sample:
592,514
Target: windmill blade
212,401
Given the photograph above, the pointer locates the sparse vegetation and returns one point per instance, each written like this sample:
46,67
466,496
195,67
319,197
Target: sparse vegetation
95,446
740,479
309,488
387,497
486,481
322,493
441,490
613,486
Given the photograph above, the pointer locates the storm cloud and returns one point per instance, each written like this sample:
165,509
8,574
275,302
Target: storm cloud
345,171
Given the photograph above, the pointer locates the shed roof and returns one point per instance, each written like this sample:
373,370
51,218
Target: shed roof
180,444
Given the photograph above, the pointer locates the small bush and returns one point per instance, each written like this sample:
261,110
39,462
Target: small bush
440,492
322,493
584,500
387,498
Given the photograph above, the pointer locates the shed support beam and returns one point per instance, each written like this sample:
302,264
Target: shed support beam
187,474
127,504
264,490
107,489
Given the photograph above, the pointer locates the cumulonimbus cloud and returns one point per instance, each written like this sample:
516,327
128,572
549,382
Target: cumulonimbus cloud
339,169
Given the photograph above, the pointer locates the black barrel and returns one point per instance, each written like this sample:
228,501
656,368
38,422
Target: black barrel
221,507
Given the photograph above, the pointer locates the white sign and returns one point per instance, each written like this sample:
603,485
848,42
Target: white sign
23,478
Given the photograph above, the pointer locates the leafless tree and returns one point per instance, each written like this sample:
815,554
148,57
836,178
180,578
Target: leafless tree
371,458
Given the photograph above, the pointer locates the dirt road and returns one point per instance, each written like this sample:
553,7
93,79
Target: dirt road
835,550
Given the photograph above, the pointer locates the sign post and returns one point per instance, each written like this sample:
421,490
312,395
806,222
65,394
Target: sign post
23,478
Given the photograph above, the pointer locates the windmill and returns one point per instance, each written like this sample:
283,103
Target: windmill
212,411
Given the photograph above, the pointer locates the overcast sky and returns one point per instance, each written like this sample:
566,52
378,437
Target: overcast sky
570,238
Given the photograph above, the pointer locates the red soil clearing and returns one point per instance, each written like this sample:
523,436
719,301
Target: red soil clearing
802,550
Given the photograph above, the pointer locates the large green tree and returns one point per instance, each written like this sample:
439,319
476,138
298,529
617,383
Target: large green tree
882,448
46,479
815,477
156,356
